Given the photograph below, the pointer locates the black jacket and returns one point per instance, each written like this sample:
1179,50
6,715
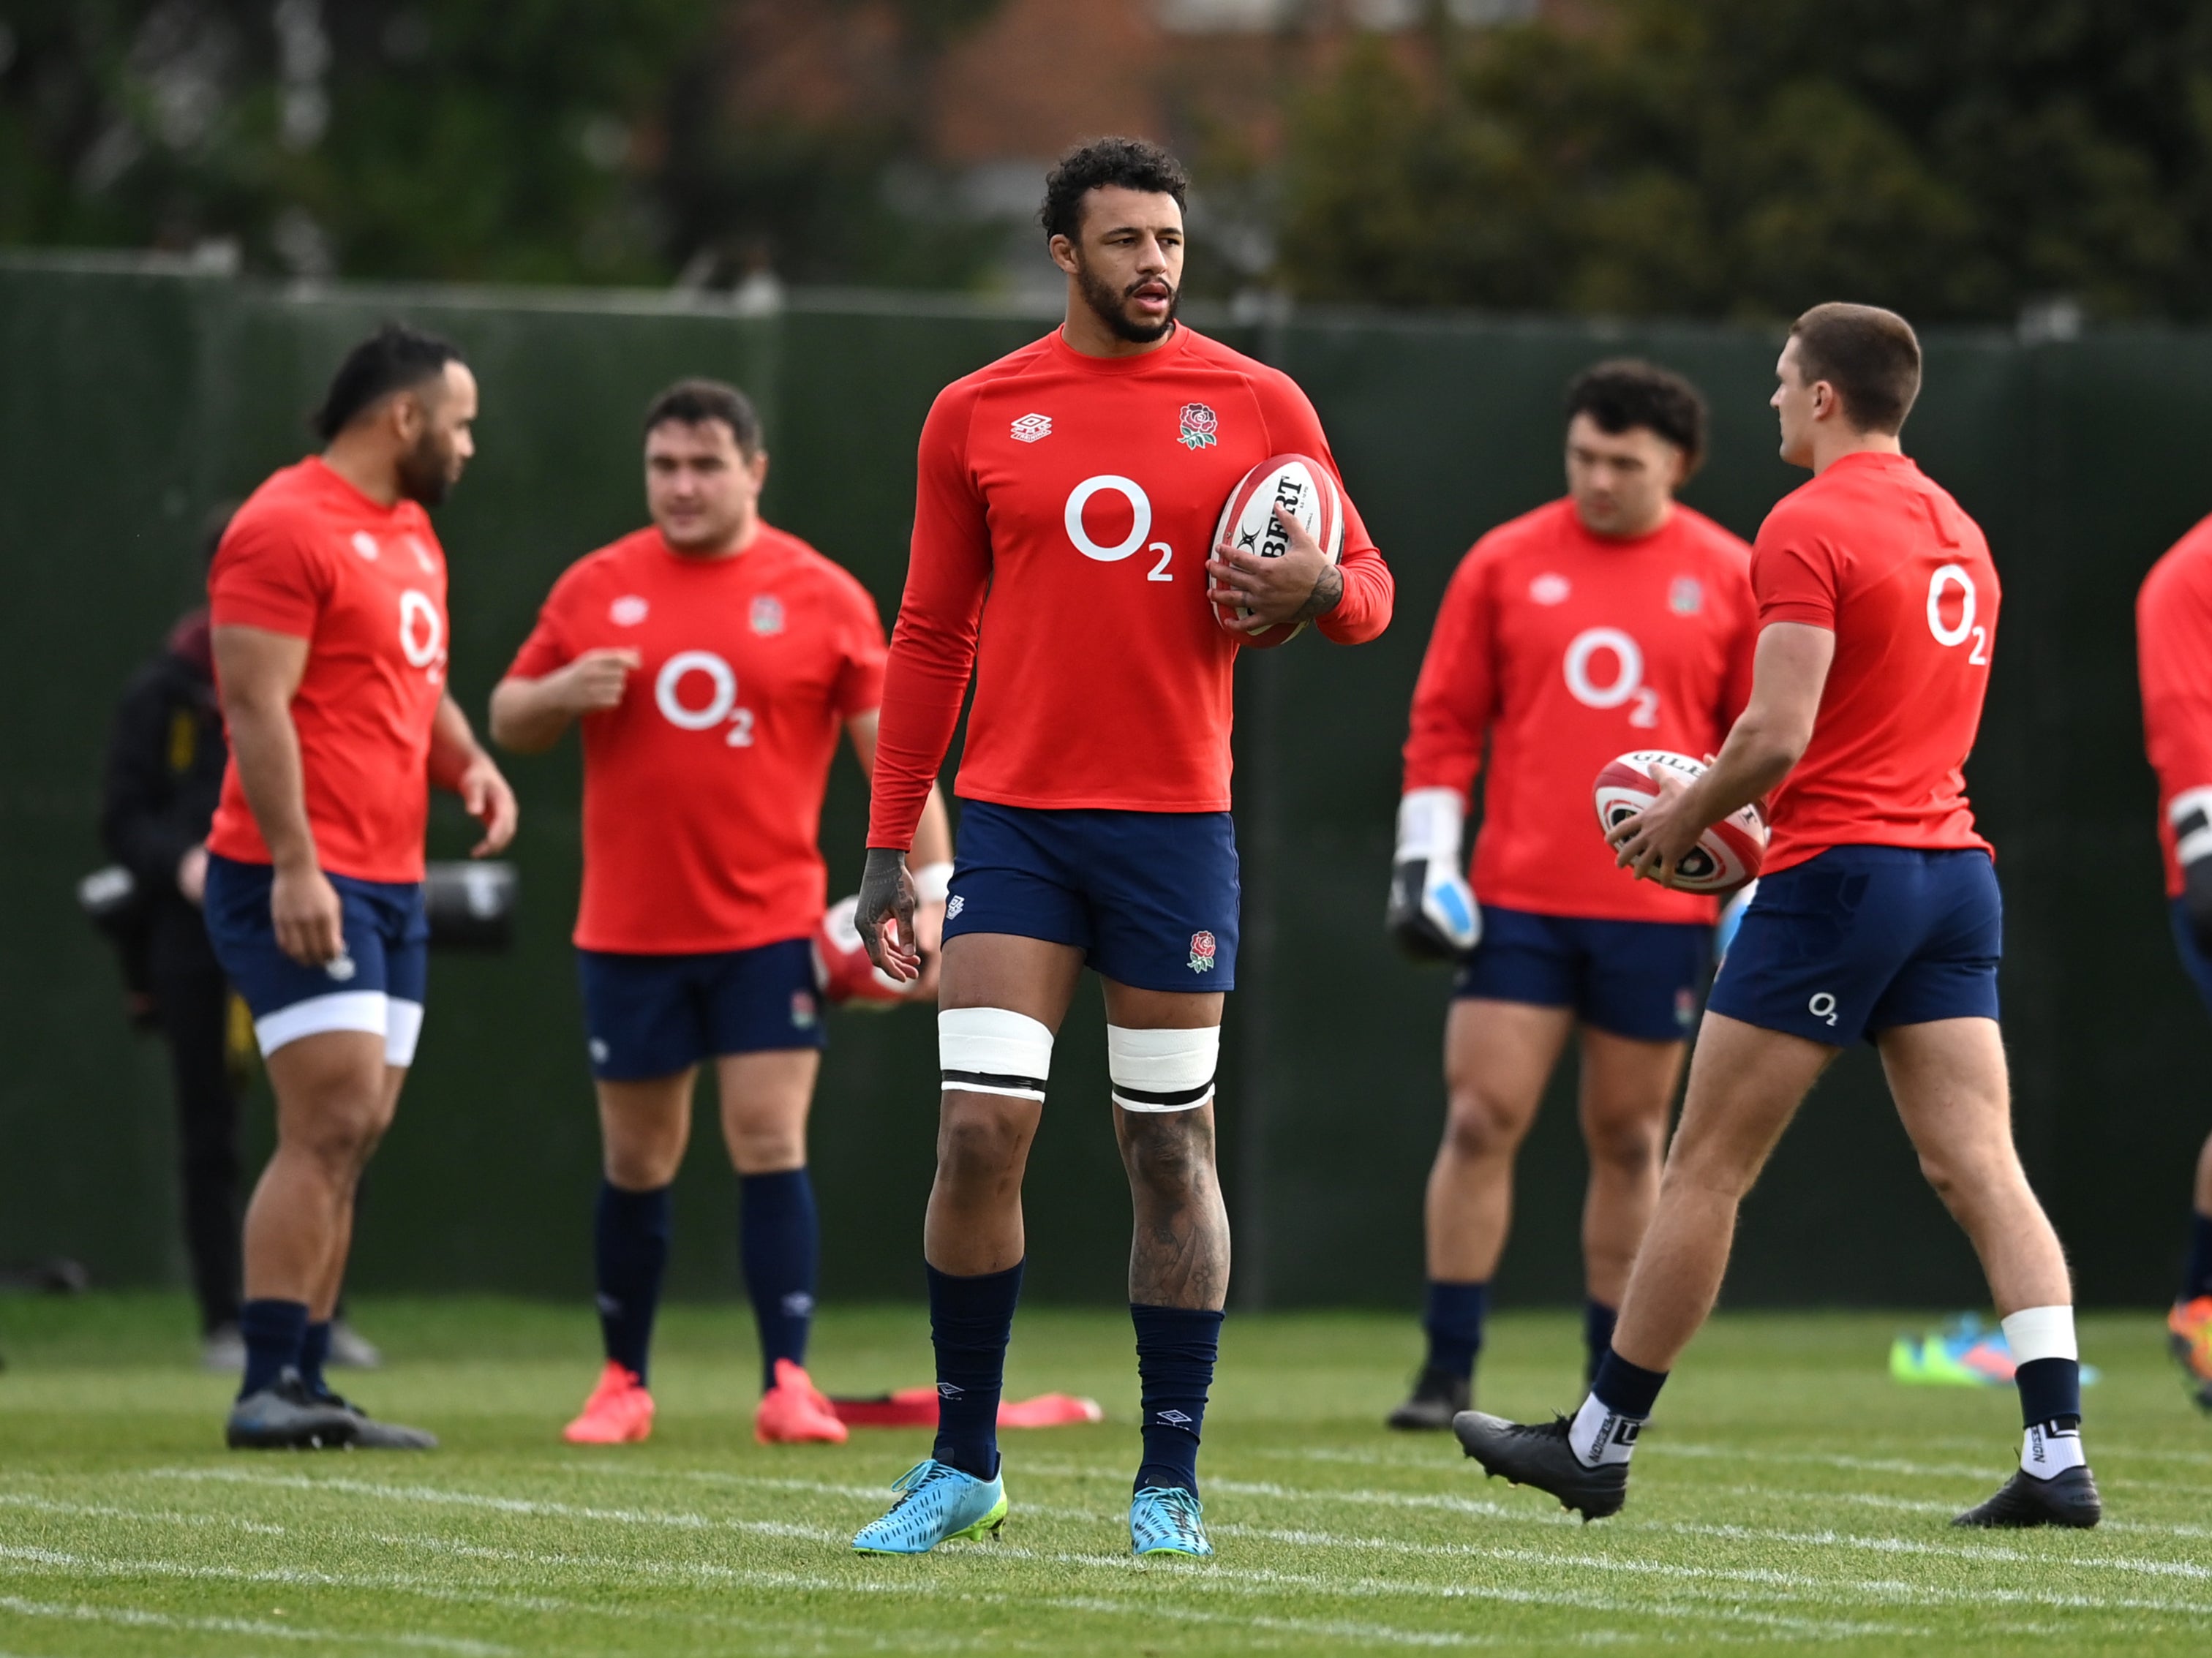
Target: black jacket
165,761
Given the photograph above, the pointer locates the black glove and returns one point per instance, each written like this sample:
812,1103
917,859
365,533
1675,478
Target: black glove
886,890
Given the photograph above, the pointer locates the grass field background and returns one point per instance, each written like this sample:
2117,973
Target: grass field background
1789,1494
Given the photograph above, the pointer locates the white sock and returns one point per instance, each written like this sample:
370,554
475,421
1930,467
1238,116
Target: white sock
2047,1449
1600,1433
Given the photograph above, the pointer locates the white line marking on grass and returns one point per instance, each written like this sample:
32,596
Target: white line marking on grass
138,1617
1335,1627
166,1517
876,1494
1994,1554
295,1576
440,1496
1775,1581
1261,1580
1915,1505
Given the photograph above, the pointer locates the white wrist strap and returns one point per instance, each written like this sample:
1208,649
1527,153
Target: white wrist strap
1429,824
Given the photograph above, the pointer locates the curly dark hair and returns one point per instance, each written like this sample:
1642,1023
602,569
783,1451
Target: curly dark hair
1132,163
1625,392
395,358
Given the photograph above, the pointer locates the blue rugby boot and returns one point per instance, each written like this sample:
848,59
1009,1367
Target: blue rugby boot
937,1503
1167,1519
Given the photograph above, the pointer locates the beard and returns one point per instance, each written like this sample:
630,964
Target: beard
426,471
1109,303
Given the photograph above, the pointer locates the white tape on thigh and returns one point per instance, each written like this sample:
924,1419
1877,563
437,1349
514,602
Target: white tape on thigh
365,1011
991,1050
1162,1070
403,1029
2036,1333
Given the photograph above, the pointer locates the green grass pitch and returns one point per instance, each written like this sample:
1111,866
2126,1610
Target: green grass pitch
1790,1495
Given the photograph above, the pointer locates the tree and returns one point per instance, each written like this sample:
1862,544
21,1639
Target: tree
1747,157
463,140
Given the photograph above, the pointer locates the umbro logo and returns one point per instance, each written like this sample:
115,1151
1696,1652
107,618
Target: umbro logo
1030,427
949,1390
1173,1419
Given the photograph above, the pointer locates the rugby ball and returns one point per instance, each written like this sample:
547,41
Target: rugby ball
1726,855
843,971
1306,489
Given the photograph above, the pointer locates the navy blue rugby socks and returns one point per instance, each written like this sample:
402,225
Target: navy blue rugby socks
630,1237
970,1321
1454,1322
1176,1347
273,1333
1598,1321
779,1242
314,1353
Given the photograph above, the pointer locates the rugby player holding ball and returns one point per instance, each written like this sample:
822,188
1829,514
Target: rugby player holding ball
1063,522
1878,917
1615,618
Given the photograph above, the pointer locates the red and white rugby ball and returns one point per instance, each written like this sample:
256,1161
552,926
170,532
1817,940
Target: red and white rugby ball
1301,487
843,971
1726,855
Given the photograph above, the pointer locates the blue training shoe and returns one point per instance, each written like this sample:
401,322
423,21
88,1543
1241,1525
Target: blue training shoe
937,1502
1167,1519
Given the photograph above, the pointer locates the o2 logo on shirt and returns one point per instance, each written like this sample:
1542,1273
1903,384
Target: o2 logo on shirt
720,706
1141,524
1626,684
422,633
1952,590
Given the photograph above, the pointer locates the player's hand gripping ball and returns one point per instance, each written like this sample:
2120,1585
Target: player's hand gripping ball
1304,489
1726,855
843,971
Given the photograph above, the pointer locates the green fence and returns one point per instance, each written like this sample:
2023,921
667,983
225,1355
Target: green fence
131,400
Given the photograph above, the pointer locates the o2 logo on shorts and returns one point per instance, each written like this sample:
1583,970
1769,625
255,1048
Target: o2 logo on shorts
721,703
422,633
1951,587
1822,1007
1140,523
1626,683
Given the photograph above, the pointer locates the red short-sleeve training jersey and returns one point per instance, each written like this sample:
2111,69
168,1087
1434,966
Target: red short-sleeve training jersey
1880,556
2173,641
702,787
1563,649
1063,512
310,556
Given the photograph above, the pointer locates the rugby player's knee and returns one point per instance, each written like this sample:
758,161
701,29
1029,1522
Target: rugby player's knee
981,1140
1626,1141
1172,1152
1484,1123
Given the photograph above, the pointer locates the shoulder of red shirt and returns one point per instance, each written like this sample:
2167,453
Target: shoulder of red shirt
2189,560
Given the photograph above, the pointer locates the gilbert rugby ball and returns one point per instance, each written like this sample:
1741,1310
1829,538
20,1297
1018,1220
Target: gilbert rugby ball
843,971
1726,855
1304,489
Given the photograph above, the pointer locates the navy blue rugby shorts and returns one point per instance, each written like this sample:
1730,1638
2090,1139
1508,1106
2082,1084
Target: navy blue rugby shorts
376,984
1149,898
653,1015
1634,979
1862,940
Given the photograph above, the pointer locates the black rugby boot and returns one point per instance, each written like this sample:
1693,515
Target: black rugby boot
2065,1499
370,1435
1437,1397
285,1416
1541,1456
